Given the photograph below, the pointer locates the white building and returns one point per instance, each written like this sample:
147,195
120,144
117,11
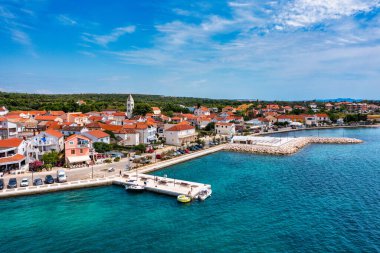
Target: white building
97,136
130,106
47,141
225,128
127,137
156,110
3,111
147,133
9,129
13,155
202,111
180,134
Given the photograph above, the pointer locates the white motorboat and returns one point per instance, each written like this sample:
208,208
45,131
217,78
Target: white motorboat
135,188
204,193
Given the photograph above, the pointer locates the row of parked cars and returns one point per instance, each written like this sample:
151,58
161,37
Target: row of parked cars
49,179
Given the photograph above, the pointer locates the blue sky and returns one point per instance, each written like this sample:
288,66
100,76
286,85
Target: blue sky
295,49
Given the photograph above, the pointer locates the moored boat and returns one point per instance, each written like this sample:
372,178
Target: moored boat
204,194
183,198
134,188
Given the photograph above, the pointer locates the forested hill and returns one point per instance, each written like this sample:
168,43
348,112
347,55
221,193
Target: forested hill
98,102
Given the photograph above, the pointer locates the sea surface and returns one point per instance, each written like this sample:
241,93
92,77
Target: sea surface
326,198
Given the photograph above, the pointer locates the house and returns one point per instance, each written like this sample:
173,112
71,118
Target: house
9,129
127,137
273,107
77,118
13,155
225,128
202,111
72,129
228,109
156,110
314,107
290,118
147,132
287,109
97,136
77,150
3,111
50,140
40,118
329,106
311,120
322,117
180,134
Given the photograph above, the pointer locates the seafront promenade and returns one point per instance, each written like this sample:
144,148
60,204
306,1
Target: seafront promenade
104,178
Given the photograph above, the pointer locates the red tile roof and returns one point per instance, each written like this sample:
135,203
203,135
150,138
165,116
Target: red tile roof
98,134
10,143
54,133
45,118
180,127
11,159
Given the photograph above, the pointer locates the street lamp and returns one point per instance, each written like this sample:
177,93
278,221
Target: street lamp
92,171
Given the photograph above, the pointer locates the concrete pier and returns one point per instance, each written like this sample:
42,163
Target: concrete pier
164,185
281,145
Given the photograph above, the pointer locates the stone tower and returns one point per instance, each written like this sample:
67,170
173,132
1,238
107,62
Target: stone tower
130,106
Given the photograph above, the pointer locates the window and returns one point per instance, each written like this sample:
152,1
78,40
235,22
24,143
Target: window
81,151
73,151
71,142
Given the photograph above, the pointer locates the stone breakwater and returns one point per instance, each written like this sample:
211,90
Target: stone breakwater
291,147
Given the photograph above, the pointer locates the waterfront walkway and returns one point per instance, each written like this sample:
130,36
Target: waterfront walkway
105,178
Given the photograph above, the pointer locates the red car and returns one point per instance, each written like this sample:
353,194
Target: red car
158,156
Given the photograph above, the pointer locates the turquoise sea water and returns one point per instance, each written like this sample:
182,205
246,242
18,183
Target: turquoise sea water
325,198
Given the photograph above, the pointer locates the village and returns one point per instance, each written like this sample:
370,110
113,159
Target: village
38,140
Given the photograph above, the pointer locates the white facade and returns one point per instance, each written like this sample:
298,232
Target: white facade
130,106
128,139
180,137
202,111
225,129
147,135
3,111
45,142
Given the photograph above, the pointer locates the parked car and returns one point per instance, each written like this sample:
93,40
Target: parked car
49,179
38,181
1,183
61,176
24,182
135,157
12,183
158,156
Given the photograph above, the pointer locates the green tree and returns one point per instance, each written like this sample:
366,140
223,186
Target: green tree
142,109
141,147
101,147
50,158
210,126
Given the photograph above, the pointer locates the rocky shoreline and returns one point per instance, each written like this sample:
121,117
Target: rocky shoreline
290,147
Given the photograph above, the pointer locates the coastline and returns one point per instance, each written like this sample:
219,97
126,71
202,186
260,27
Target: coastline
287,149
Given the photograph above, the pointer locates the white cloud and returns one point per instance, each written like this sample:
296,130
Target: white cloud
65,20
302,13
104,40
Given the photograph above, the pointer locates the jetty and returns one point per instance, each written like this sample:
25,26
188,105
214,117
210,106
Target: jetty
281,145
164,185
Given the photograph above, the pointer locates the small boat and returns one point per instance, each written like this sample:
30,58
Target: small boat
204,194
134,188
183,199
